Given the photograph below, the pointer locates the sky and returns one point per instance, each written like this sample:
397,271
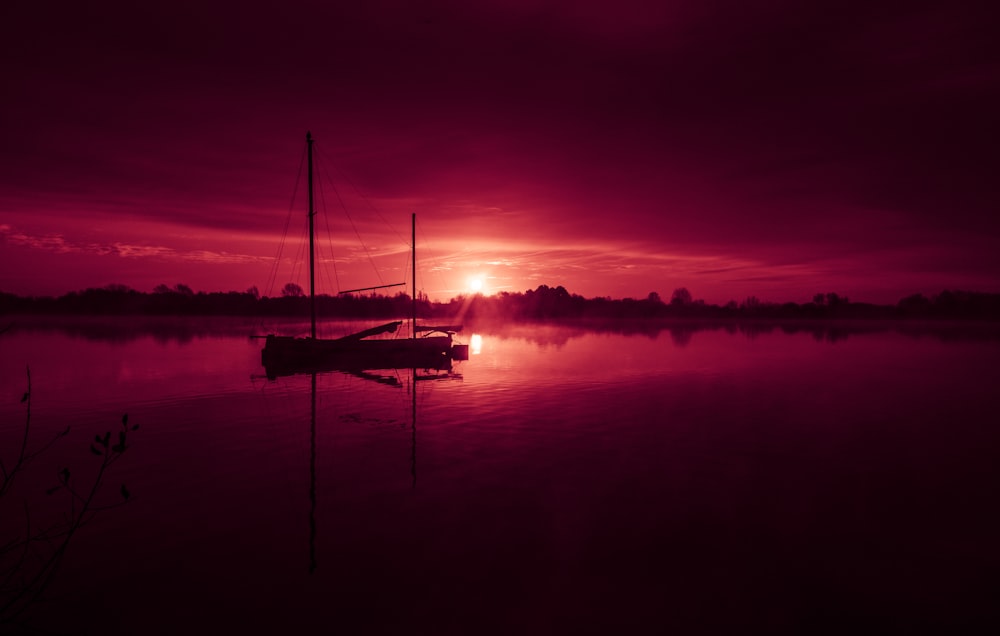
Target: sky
774,149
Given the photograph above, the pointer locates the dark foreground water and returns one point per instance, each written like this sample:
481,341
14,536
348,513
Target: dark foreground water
560,481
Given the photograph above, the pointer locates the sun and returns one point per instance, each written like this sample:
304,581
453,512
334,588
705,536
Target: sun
476,284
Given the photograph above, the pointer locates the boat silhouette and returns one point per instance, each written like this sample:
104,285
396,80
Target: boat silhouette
287,355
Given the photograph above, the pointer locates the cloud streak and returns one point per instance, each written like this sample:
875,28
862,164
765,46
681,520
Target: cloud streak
57,244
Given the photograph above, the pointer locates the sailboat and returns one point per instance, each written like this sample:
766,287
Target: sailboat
286,355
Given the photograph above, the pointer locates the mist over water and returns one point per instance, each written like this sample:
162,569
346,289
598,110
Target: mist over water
562,480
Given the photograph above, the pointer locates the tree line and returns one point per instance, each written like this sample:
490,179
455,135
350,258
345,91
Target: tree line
556,302
543,302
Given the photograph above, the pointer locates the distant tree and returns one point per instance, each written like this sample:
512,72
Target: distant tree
543,302
680,297
946,301
915,303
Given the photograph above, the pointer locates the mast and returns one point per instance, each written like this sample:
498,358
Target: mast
413,239
312,247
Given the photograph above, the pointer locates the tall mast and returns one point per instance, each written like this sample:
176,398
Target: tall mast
312,247
413,239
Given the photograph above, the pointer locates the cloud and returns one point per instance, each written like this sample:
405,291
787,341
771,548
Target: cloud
57,244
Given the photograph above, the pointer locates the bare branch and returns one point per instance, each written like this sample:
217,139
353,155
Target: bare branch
32,558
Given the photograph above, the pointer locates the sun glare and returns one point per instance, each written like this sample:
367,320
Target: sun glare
475,285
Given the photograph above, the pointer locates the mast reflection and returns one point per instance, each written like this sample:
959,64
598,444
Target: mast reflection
387,380
312,477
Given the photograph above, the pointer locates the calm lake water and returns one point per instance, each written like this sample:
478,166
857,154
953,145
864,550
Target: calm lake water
562,480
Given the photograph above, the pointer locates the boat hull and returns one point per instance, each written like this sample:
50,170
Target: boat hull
285,355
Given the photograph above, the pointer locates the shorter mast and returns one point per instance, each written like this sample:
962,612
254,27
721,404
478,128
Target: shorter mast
413,239
312,247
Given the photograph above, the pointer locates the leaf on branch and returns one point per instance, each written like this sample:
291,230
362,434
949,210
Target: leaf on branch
135,427
24,398
52,490
125,420
95,450
125,492
64,473
64,433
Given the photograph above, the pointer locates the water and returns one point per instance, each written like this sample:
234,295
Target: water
563,480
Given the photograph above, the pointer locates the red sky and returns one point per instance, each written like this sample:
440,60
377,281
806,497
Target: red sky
615,148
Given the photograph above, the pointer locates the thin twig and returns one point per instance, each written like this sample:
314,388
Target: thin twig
20,589
19,459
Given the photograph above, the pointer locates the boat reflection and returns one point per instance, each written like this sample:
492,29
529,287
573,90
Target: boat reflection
388,380
312,475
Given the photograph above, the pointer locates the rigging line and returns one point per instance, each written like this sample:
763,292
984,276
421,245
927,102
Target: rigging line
434,262
356,232
329,238
353,226
406,272
320,210
273,275
273,272
406,268
323,280
333,256
300,255
323,273
368,202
